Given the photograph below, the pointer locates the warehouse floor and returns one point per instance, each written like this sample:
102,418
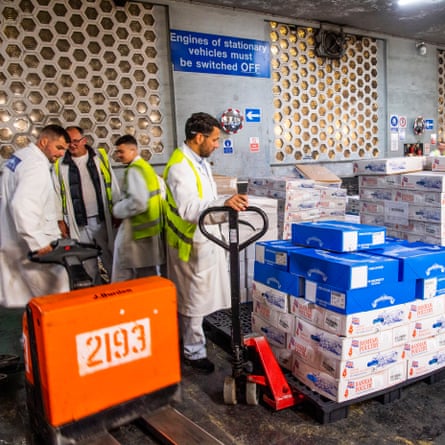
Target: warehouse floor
416,417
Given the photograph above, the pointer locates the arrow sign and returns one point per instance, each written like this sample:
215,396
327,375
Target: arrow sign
253,114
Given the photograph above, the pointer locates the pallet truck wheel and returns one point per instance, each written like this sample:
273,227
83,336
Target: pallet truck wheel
252,393
230,391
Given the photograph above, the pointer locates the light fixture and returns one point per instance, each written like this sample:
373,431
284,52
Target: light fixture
421,48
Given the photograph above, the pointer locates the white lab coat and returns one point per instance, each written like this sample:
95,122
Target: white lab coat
132,254
104,237
203,283
28,222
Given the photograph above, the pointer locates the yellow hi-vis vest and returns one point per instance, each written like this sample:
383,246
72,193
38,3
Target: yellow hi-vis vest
178,232
148,223
105,169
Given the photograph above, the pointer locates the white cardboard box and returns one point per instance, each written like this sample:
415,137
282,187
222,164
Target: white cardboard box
350,325
341,390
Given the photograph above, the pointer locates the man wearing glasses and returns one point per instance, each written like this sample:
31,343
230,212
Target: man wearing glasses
87,188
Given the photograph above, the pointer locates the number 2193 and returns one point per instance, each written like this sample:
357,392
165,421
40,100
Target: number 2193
113,346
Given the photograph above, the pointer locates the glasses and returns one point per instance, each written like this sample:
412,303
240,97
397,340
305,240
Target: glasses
77,141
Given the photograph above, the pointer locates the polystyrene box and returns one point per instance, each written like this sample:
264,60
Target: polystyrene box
101,346
339,236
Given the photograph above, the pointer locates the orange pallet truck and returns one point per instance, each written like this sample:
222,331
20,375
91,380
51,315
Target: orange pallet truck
255,369
97,358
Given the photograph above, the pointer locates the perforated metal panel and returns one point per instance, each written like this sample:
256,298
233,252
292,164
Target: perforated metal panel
86,63
325,109
441,94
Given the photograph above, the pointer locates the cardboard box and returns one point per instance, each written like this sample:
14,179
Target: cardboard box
225,185
427,327
383,181
425,364
374,194
284,356
274,335
343,270
387,166
275,253
435,199
430,287
417,260
425,181
275,298
339,236
422,346
278,279
351,367
347,347
352,325
360,300
277,319
419,309
344,389
318,173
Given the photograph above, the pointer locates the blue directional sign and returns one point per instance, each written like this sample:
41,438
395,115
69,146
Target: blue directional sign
429,124
253,114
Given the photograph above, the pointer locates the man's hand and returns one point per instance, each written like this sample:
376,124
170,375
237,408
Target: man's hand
237,202
44,250
64,230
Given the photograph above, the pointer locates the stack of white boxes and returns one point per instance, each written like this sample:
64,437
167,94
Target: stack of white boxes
300,200
347,311
409,202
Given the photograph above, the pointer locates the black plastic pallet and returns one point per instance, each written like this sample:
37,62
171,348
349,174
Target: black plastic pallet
218,329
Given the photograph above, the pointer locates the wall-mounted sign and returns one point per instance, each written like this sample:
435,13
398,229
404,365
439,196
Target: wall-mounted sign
429,124
253,114
394,121
228,147
215,54
254,144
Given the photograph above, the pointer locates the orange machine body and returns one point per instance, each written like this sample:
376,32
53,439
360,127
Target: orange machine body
101,346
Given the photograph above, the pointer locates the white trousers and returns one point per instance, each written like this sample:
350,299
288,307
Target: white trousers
193,337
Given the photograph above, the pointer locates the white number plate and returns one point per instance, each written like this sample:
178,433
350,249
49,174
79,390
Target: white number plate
113,346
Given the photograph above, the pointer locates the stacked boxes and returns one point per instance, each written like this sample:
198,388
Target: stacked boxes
409,204
361,320
300,199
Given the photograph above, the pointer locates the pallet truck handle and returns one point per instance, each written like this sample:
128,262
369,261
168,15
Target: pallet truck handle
233,224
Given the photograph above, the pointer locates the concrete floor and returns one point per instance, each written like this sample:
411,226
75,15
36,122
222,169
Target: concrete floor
417,417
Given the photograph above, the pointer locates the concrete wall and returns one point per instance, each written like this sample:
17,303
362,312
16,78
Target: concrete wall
407,87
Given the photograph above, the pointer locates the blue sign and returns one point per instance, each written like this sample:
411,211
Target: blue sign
228,147
429,124
215,54
253,114
394,120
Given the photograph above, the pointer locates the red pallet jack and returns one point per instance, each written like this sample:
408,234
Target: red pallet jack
251,353
100,357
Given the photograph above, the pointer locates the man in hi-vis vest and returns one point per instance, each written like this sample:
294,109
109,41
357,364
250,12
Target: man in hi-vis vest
87,187
196,265
139,249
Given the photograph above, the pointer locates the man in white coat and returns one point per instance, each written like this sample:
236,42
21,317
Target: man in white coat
196,265
87,188
139,248
28,220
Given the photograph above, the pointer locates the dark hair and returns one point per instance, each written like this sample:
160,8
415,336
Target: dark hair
126,139
54,131
75,127
200,123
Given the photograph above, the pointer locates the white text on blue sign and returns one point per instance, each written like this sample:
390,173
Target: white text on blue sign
215,54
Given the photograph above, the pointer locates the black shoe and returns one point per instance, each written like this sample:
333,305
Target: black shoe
202,365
